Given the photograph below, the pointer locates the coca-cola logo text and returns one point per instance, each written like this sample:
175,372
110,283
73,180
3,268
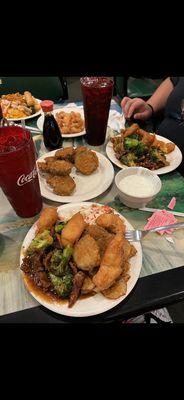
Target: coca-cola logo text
23,179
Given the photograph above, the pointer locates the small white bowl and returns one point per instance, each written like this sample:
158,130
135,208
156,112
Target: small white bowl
139,200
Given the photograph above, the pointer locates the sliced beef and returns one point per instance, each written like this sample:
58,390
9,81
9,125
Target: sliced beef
37,261
77,285
26,265
46,260
73,267
34,266
41,280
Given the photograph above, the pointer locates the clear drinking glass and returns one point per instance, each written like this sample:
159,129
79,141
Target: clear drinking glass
18,172
97,93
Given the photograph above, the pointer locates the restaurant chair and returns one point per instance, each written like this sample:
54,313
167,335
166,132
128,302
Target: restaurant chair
135,87
44,88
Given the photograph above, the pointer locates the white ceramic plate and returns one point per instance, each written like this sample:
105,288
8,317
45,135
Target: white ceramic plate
28,117
87,186
96,304
67,110
174,158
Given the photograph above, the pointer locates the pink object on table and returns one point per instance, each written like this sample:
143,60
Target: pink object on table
172,203
160,218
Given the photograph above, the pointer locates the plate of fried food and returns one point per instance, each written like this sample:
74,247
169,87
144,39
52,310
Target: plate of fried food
76,261
17,106
136,147
70,121
74,174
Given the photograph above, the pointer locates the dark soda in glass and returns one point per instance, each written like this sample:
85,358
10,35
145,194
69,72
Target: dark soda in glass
18,172
97,93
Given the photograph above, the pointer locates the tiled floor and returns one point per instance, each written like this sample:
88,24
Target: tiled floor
176,311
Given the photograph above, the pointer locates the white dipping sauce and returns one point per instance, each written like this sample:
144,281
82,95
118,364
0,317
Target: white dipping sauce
137,185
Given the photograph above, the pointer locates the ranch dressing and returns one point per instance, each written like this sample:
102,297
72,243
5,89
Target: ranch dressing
136,185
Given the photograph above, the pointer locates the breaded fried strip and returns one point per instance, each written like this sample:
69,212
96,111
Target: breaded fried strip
110,267
112,222
48,218
165,147
73,229
130,130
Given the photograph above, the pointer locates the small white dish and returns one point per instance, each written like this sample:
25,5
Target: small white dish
139,199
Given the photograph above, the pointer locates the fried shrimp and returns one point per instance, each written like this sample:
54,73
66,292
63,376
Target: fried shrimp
86,162
70,122
47,220
165,147
130,130
111,264
66,154
86,253
113,223
73,229
62,185
146,137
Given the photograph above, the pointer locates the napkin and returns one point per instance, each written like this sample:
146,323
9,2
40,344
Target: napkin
116,120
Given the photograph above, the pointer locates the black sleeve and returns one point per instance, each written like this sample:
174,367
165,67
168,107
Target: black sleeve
174,80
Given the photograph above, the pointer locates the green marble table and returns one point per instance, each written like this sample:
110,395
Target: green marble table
158,254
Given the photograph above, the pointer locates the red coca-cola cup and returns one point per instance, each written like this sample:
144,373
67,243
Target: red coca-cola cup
97,93
18,172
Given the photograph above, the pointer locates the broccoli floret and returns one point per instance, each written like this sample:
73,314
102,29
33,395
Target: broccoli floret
59,261
141,149
40,242
153,153
62,285
157,155
135,136
59,227
130,144
129,159
67,253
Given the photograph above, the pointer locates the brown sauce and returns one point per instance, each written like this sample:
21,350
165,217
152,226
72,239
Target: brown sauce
49,296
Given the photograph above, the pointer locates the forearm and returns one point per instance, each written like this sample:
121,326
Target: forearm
159,98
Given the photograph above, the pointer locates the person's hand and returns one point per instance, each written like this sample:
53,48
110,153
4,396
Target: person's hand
136,108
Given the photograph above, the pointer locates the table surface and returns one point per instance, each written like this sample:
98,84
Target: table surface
162,272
